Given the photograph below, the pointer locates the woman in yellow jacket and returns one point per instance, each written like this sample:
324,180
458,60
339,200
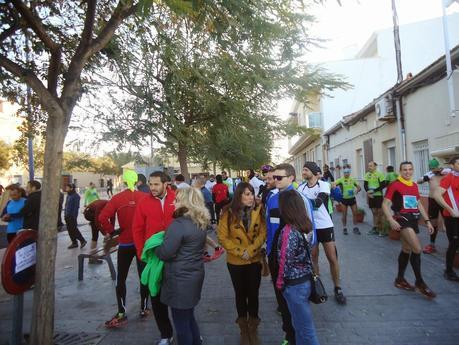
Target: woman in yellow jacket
242,232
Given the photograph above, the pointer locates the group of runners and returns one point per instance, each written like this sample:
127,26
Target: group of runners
266,216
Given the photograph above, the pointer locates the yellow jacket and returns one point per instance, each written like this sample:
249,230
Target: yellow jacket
235,239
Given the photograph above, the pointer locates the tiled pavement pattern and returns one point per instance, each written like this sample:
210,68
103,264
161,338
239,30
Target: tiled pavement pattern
376,312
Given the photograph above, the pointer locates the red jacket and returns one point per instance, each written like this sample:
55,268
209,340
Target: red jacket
150,218
92,212
220,192
123,205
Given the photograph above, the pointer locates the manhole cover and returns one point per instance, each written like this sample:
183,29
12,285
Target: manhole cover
77,339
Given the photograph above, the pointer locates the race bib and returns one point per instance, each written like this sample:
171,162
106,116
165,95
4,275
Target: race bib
350,193
275,220
410,202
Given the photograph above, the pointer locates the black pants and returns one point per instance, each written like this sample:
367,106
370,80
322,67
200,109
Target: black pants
94,231
125,256
210,207
161,313
246,283
218,208
452,232
73,230
287,325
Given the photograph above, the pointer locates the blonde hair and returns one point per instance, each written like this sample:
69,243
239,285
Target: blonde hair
192,200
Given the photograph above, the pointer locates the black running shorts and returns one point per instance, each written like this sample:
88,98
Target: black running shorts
325,235
348,202
408,220
375,202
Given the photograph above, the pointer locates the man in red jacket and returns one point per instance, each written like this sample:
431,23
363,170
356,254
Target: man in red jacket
153,214
124,205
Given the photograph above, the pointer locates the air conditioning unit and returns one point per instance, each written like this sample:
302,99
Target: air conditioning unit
384,109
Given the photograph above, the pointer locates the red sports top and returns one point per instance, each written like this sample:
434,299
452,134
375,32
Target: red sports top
152,217
451,183
404,198
123,205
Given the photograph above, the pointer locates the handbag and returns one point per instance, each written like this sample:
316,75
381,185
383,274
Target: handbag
318,293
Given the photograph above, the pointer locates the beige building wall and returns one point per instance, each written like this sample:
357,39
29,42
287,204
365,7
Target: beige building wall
346,146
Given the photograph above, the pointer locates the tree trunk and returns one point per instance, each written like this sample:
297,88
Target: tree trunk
42,332
214,168
182,157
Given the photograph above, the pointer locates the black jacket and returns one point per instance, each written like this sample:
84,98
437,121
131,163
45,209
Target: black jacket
31,211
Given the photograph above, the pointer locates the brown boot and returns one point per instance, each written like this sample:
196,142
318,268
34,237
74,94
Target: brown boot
244,327
253,330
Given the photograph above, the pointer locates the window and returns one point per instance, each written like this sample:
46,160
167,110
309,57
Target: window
391,156
315,120
345,162
421,163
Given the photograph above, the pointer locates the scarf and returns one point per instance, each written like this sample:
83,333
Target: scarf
408,183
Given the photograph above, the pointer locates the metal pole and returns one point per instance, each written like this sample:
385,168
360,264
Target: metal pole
398,59
449,67
18,308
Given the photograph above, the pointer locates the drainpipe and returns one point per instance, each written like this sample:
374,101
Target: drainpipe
398,99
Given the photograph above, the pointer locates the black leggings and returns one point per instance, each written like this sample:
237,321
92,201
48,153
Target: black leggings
125,256
94,231
452,231
246,283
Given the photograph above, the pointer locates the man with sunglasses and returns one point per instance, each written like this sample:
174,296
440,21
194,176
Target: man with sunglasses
283,175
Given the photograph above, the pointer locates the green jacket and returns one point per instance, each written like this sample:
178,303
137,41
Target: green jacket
153,271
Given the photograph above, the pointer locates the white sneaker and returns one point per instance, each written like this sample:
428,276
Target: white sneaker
165,341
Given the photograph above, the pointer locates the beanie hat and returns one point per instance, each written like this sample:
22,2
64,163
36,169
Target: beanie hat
130,177
434,163
313,167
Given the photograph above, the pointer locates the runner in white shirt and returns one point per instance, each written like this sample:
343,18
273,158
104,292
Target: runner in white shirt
318,192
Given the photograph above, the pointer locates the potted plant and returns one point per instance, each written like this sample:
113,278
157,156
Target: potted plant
359,215
339,207
393,234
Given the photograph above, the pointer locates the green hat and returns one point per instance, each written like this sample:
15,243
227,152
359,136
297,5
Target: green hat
434,163
130,177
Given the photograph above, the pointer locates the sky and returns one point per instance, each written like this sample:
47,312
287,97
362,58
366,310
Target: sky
346,28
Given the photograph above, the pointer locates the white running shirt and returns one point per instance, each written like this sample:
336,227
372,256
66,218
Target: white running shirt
321,216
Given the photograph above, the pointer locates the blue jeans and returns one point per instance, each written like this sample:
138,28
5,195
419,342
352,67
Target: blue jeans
297,297
186,328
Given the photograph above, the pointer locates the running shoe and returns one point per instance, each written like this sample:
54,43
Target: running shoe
165,341
429,249
356,231
401,283
373,231
82,243
93,261
119,320
425,290
382,234
345,231
284,342
72,245
143,314
339,296
451,275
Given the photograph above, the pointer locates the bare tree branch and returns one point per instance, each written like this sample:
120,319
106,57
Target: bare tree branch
47,99
35,24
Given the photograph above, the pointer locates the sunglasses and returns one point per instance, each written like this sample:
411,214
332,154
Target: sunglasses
279,177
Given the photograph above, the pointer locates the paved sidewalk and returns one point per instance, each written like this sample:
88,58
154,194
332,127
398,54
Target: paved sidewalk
376,312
